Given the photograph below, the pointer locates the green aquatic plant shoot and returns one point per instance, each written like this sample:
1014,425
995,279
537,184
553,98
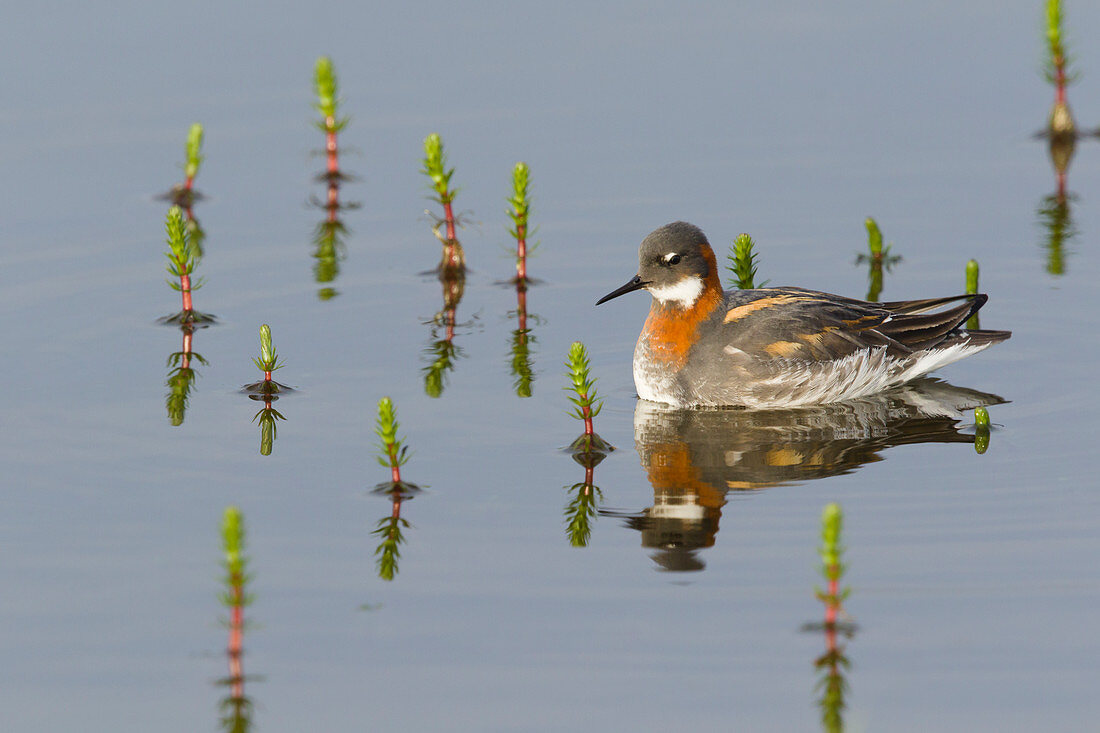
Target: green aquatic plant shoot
237,708
972,323
1061,121
193,150
521,209
234,559
972,277
394,452
874,239
328,102
832,568
878,258
588,405
981,417
181,262
981,430
434,166
743,262
268,360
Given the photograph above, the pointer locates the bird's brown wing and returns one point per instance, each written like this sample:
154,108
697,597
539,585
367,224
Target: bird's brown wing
792,323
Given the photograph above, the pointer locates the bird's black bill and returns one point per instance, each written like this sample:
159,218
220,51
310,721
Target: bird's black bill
635,284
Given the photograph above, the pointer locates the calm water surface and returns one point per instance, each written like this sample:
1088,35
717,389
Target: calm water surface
974,576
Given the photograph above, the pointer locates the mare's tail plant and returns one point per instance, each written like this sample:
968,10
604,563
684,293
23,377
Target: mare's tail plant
236,707
833,662
972,289
182,260
268,390
268,361
587,404
521,209
743,262
194,154
434,167
981,430
878,258
1060,123
328,101
831,552
394,454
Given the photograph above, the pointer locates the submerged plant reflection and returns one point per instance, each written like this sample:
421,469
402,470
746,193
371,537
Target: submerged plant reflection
442,352
268,418
523,374
1056,218
182,376
694,457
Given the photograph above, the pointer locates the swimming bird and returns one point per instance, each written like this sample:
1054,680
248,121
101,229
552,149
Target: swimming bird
779,347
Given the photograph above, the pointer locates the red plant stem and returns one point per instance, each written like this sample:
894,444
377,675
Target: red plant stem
1059,80
330,144
833,604
185,292
521,306
449,215
830,646
396,513
186,348
589,476
521,252
236,636
395,467
449,319
333,202
587,412
187,183
267,376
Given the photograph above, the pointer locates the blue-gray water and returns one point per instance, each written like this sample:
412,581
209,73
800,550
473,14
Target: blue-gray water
975,577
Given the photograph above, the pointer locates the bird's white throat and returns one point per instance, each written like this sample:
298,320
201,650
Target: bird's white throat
684,293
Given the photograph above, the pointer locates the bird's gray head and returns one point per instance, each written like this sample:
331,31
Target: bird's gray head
675,264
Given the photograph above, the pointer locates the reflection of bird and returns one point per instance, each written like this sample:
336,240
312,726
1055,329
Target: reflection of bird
779,347
693,457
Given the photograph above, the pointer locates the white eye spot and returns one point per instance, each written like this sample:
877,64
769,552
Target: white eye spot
672,258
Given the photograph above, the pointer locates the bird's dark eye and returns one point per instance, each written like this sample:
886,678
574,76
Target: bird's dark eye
674,260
